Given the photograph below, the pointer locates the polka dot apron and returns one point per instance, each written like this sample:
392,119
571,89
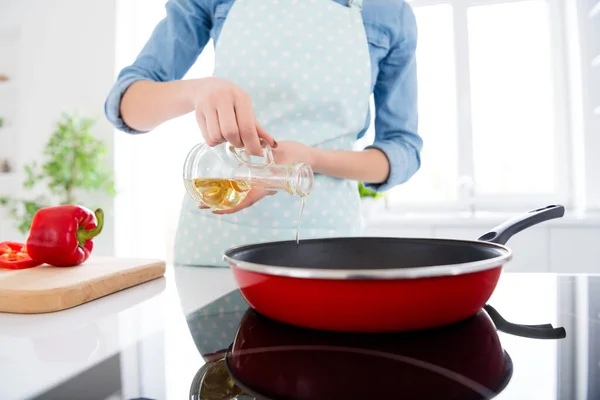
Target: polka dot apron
306,66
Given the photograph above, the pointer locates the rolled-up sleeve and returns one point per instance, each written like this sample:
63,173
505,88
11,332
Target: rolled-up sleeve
171,50
396,106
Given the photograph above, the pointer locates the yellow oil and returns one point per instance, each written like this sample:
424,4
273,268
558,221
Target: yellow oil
219,194
222,194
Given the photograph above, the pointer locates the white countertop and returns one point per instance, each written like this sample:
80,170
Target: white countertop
40,351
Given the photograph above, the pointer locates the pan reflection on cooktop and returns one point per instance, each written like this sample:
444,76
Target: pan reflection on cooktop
250,356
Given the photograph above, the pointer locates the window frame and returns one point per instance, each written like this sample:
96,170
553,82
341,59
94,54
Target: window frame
467,198
584,18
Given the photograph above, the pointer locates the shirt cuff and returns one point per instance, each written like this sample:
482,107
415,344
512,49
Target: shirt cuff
112,105
399,168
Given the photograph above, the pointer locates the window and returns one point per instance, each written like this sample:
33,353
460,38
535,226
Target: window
491,111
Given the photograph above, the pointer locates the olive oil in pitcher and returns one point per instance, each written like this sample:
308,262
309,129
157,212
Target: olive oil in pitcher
222,176
219,194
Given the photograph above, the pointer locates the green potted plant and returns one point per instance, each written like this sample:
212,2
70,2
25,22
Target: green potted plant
371,200
72,162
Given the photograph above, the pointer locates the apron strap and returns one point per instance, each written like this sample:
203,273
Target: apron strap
355,3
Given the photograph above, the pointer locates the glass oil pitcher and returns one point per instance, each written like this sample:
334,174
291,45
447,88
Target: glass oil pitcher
221,176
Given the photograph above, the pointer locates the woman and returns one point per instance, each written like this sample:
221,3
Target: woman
298,74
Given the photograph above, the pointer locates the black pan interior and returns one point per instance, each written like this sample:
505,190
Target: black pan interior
365,253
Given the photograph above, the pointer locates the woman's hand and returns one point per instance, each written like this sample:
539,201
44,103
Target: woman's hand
224,113
253,196
286,152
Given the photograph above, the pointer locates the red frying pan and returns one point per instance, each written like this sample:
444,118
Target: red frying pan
369,284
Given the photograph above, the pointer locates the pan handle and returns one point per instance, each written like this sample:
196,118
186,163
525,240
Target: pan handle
503,232
545,331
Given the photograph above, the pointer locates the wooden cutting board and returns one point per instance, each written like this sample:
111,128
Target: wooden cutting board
46,289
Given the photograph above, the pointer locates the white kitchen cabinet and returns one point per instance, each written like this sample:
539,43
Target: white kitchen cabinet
575,250
530,247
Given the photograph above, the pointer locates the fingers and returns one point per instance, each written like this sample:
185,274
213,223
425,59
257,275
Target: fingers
247,127
201,120
229,126
263,134
252,197
224,113
214,135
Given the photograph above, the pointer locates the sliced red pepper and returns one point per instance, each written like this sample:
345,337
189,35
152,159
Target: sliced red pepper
62,236
13,255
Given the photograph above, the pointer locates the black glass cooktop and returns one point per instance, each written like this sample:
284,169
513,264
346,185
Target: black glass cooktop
553,352
253,356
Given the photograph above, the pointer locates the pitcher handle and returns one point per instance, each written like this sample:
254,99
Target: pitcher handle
243,157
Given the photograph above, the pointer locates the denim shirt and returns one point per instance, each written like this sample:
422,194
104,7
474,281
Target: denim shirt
391,32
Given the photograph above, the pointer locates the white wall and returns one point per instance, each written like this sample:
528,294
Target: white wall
66,63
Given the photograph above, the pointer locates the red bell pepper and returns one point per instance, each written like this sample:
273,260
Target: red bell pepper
62,236
14,255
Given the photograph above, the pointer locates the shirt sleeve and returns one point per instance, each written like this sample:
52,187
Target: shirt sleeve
172,49
396,105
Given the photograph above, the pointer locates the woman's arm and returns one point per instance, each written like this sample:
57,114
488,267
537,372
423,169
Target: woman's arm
369,165
147,104
394,157
148,92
